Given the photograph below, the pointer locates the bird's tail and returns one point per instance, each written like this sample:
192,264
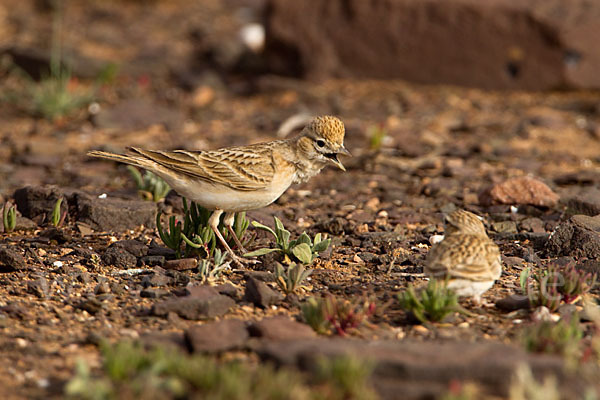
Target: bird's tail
131,160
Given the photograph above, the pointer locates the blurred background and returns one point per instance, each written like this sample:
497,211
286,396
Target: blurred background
514,81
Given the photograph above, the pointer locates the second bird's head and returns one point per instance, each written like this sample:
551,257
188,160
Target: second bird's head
322,140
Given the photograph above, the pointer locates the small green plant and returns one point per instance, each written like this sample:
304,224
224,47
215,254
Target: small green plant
208,272
432,304
555,285
313,313
349,374
337,315
195,236
150,186
9,217
562,337
525,386
302,249
377,135
57,218
290,280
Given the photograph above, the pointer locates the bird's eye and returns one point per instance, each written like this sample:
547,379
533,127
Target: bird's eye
320,143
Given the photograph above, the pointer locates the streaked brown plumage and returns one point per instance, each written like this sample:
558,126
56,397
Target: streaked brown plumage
243,178
467,257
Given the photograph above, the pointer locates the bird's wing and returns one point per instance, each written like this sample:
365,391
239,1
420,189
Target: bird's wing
242,168
465,257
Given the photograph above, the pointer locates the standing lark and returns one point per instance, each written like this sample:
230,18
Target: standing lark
467,257
235,179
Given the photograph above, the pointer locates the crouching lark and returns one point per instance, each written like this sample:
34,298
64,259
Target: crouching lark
235,179
466,257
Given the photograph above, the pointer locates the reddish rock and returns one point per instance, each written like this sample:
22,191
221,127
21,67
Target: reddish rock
522,190
182,264
525,44
217,336
579,236
281,328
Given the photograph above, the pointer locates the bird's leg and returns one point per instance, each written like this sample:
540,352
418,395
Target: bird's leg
228,221
213,222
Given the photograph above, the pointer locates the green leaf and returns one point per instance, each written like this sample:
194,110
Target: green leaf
284,239
523,277
304,238
191,243
317,237
258,225
278,224
303,253
322,245
260,252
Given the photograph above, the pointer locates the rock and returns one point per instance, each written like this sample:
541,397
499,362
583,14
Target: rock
102,288
204,302
281,328
157,278
579,236
11,260
522,190
513,302
535,45
58,235
151,293
133,247
258,293
91,305
38,287
535,225
217,337
504,227
108,214
230,290
37,202
137,114
422,370
587,202
119,257
182,264
152,261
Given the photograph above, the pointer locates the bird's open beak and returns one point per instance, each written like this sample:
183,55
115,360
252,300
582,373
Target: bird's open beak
334,158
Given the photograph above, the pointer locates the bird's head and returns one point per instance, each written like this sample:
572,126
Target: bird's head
461,221
322,140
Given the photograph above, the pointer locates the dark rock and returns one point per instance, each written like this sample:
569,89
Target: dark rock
504,227
217,337
91,305
589,266
422,370
512,45
114,214
230,290
38,287
11,260
119,257
152,261
182,264
134,247
137,114
37,202
58,235
587,202
258,293
336,226
512,261
513,302
204,302
15,310
264,276
281,328
579,237
117,288
102,288
535,225
522,190
151,293
156,279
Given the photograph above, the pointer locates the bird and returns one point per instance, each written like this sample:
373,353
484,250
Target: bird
242,178
466,257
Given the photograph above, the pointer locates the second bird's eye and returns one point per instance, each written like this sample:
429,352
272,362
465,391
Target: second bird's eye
320,143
